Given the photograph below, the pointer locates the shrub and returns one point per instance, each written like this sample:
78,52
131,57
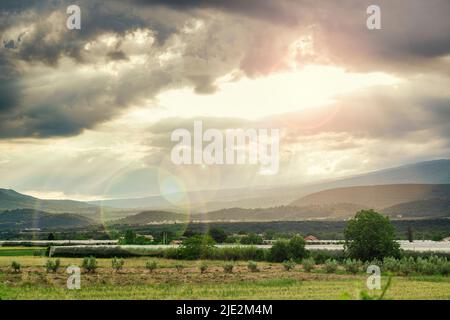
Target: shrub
228,267
427,266
331,266
391,264
252,266
203,267
370,236
117,264
308,264
179,267
444,267
16,266
151,266
407,265
352,266
52,266
321,256
289,265
89,264
238,253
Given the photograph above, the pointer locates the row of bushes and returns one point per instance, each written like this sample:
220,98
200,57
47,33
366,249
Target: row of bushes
432,265
243,253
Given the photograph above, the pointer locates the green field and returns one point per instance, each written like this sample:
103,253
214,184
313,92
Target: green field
21,251
166,282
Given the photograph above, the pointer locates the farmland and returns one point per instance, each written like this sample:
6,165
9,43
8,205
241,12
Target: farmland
170,281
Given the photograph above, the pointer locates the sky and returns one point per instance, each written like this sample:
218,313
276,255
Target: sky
88,114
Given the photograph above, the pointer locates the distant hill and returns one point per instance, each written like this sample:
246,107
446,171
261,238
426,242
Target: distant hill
379,196
285,213
432,208
10,200
428,172
20,219
147,217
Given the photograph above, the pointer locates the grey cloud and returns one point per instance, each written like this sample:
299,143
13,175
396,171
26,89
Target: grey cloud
407,113
252,35
117,55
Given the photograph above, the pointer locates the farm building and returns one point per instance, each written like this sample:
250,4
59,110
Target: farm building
311,238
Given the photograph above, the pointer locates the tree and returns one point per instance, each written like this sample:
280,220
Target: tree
218,235
51,237
370,236
297,250
279,251
410,234
196,247
252,238
130,237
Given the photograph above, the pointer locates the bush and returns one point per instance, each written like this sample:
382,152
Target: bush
16,266
252,266
308,264
52,266
321,256
331,266
203,267
238,253
407,266
179,267
228,267
89,264
289,265
391,264
352,266
370,236
151,266
117,264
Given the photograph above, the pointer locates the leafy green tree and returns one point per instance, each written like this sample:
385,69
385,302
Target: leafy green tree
218,234
410,234
297,250
130,237
279,251
196,247
370,236
293,249
252,238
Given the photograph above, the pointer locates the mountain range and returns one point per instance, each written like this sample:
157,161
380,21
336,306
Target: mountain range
420,190
428,172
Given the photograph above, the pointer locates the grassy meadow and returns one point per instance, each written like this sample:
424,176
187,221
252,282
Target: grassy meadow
175,279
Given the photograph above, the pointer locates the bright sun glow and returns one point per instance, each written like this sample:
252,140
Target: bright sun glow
275,94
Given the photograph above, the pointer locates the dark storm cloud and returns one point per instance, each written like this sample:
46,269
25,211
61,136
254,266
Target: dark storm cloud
253,35
117,55
9,85
279,11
